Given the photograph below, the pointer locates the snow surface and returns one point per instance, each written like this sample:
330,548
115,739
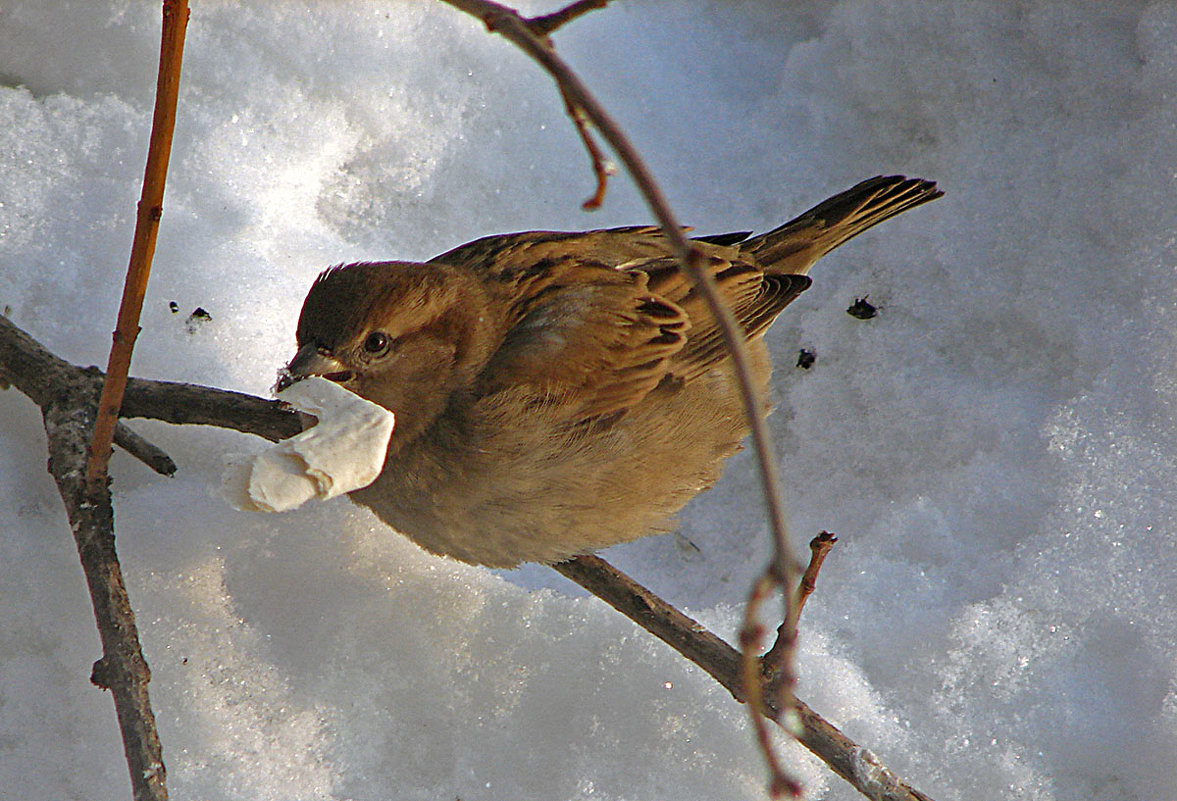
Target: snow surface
996,450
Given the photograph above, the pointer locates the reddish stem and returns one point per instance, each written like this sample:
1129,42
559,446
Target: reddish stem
150,210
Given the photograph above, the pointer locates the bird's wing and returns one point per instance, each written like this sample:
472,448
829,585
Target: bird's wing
601,317
514,257
754,298
593,339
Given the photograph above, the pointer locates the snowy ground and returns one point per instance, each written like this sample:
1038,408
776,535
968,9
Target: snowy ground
996,450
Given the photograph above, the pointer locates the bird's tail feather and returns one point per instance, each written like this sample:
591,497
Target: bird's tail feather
796,245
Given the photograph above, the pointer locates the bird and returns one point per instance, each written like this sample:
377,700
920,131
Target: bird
558,392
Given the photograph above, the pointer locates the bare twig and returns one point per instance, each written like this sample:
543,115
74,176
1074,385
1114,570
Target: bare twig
122,668
189,404
42,376
151,455
751,635
600,168
819,547
543,26
777,684
547,24
175,22
782,571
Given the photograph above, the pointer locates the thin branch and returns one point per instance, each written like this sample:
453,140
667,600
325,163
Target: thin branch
751,634
122,668
190,404
171,50
29,367
601,168
819,548
783,570
547,24
41,375
151,455
849,760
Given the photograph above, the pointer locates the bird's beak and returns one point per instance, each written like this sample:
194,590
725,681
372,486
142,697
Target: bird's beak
311,360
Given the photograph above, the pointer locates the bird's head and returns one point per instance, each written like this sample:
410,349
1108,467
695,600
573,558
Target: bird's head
404,335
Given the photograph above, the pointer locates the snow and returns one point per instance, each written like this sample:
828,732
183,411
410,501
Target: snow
996,450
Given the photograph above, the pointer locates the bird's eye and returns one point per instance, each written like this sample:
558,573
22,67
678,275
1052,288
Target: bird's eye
377,342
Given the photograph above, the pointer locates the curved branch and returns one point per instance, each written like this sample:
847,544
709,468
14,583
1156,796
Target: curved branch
518,31
783,570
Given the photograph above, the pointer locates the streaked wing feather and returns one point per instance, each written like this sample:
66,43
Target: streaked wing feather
592,337
601,317
733,238
754,298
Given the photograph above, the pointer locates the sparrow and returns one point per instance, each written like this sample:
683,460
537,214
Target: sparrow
556,393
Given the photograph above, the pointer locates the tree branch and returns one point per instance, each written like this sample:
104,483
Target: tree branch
819,548
775,682
171,51
849,760
151,455
39,374
547,24
191,404
42,376
68,397
601,168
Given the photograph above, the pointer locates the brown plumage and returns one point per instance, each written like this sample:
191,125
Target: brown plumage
556,393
